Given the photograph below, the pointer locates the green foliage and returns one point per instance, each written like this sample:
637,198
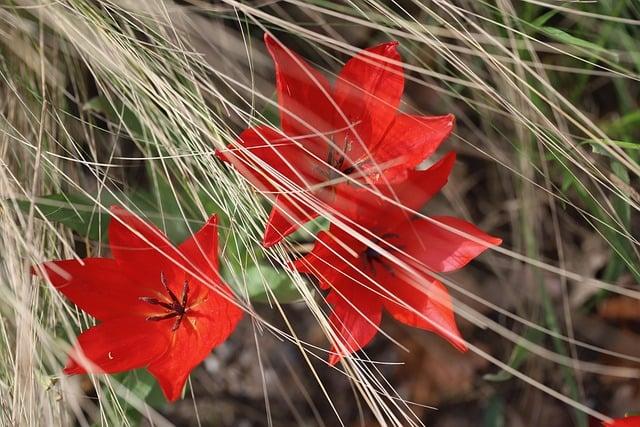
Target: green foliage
564,37
116,112
136,385
494,415
90,218
280,285
612,224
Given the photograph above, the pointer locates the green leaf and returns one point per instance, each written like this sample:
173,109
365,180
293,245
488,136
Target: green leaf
142,385
309,230
564,37
75,211
623,125
597,146
281,286
623,210
168,210
567,180
494,413
117,113
542,19
89,220
621,171
270,115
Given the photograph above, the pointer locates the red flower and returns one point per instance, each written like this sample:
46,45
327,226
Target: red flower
362,281
351,129
624,422
153,313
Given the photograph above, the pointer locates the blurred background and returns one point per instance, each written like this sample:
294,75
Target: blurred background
106,102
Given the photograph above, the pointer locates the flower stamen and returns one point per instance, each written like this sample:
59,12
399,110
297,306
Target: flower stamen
372,256
177,307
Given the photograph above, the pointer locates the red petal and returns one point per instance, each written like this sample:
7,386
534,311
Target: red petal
287,215
624,422
329,259
356,205
432,301
421,186
269,159
369,209
362,205
205,327
117,345
336,261
368,91
201,249
441,250
304,95
142,250
408,141
97,285
355,320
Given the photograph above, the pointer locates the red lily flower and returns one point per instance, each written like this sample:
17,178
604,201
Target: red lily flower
351,129
153,313
633,421
361,281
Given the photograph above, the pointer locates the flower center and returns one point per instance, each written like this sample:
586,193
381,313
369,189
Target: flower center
176,308
372,256
336,161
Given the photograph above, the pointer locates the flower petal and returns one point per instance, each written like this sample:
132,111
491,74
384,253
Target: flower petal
135,242
96,285
420,186
205,327
375,210
336,261
329,259
287,216
368,91
441,250
633,421
269,159
304,95
431,301
117,345
408,141
355,320
201,249
359,204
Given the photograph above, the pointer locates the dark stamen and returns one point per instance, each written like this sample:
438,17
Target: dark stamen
177,308
349,170
163,280
163,316
372,256
330,156
155,301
